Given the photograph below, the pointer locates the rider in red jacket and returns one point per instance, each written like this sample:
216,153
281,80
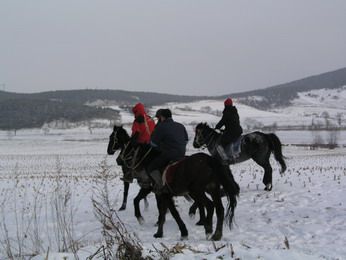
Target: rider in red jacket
142,126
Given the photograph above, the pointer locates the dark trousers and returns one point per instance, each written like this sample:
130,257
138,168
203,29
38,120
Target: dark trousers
159,163
229,137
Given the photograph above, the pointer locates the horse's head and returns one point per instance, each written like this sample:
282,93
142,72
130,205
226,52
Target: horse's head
203,135
117,139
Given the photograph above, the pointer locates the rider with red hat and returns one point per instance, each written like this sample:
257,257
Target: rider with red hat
230,119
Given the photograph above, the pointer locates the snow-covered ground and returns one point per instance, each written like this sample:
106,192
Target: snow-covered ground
45,176
306,206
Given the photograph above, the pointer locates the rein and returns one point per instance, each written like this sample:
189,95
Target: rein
115,140
204,142
126,156
135,155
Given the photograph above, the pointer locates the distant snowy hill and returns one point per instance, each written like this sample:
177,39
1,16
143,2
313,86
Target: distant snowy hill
310,106
319,104
282,95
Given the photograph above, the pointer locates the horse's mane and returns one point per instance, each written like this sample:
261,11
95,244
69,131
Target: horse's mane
204,125
121,130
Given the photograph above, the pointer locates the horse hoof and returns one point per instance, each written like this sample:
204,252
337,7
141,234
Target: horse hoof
200,223
182,238
192,216
268,187
122,208
208,236
158,235
141,220
216,237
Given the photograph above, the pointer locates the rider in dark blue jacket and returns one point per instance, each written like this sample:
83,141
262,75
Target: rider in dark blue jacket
170,138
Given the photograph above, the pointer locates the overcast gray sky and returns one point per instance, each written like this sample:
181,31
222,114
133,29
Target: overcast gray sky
188,47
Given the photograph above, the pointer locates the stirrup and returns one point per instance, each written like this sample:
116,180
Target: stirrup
222,152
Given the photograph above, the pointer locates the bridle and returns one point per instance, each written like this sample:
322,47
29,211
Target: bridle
115,141
128,153
203,142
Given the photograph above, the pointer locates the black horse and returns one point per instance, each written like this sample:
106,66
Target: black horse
117,141
196,175
257,146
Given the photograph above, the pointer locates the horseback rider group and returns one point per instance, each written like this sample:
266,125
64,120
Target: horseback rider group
170,137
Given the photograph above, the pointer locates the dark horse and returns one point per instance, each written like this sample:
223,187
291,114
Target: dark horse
257,146
196,175
118,140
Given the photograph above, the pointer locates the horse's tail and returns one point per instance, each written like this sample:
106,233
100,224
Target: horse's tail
230,187
277,150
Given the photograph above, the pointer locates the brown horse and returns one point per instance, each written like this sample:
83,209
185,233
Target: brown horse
196,175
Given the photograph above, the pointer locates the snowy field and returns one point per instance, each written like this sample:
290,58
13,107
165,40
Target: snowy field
47,181
306,206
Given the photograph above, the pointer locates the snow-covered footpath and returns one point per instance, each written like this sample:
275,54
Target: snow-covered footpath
303,217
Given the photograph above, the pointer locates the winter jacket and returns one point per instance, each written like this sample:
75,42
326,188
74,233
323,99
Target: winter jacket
170,138
142,126
230,119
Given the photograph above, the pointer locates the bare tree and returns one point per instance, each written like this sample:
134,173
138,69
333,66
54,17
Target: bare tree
339,118
326,117
333,137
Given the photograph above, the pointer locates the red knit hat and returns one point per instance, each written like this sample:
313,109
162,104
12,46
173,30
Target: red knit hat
228,102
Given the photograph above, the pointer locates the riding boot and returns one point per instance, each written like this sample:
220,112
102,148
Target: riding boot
158,187
222,152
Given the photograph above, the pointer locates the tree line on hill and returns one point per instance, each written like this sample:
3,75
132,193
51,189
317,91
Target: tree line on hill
20,110
26,113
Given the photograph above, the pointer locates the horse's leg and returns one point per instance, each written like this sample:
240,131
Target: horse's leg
192,210
220,211
162,206
202,217
204,201
192,213
268,176
126,192
141,194
158,205
146,204
176,216
167,201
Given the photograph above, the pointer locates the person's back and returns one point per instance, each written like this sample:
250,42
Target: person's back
233,129
142,126
230,119
170,138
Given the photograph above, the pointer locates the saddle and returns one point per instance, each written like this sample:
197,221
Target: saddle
233,149
169,172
